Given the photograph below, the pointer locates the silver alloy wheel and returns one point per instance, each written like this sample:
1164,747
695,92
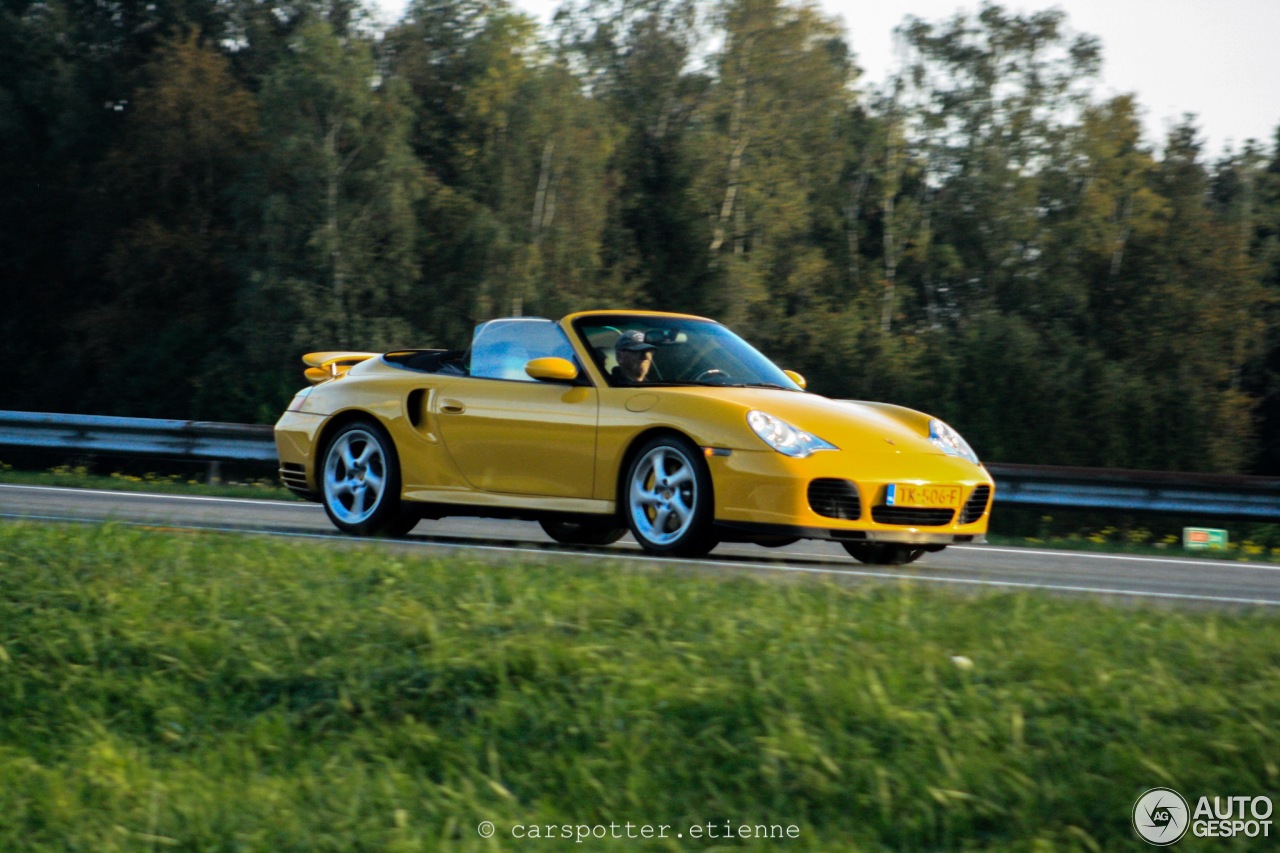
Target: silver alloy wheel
355,476
663,495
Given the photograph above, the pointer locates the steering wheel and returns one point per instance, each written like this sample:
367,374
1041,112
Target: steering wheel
713,374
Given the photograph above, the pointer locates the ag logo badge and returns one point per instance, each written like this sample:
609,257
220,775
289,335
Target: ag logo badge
1161,816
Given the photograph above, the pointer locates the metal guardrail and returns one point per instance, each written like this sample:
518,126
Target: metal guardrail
199,440
203,441
1196,495
1217,495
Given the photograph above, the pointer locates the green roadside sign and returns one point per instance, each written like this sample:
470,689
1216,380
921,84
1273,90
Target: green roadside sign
1204,539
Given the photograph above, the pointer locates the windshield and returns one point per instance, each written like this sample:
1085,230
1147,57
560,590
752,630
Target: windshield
679,351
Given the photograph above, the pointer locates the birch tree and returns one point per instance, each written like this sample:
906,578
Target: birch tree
768,141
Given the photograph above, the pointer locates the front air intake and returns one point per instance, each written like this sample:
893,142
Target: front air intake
912,516
976,506
835,499
294,476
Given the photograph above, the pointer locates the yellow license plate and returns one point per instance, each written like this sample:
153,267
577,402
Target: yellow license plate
922,497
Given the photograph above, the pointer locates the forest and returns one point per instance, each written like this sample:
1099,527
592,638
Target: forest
195,192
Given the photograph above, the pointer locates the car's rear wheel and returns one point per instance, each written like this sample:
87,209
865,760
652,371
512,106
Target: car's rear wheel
667,497
360,483
597,532
884,553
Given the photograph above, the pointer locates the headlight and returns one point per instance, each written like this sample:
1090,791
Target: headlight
949,441
784,438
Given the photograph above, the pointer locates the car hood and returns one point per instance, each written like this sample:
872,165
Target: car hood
848,424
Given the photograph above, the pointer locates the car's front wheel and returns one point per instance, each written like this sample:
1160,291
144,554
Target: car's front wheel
667,498
360,483
884,553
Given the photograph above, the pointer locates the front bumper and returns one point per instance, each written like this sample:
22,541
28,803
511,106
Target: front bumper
763,493
747,531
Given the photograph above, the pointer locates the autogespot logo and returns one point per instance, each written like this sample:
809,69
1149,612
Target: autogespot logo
1161,816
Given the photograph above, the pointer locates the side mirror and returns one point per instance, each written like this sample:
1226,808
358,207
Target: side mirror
552,369
796,378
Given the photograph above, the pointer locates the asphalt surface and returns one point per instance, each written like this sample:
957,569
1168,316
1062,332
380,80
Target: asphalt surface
1173,580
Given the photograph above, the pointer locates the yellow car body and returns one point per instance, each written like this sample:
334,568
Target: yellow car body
685,459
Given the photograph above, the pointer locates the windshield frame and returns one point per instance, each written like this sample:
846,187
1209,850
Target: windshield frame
754,368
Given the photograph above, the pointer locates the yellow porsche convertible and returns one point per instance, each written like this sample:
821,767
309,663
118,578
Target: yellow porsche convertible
665,425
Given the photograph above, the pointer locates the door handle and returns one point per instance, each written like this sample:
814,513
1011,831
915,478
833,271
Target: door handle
452,407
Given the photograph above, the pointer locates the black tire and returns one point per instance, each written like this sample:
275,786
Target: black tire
594,532
667,500
884,553
360,482
404,522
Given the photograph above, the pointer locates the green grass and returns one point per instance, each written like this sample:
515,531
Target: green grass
218,692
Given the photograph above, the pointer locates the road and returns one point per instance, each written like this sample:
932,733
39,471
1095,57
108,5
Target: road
1175,580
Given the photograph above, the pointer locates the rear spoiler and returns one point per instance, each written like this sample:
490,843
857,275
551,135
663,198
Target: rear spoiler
323,366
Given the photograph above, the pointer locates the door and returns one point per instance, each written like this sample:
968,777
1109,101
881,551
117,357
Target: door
512,434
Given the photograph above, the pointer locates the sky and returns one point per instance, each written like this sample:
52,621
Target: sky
1218,59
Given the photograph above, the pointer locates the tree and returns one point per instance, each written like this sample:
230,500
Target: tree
464,63
561,182
68,72
1104,200
1263,380
523,158
990,96
156,334
768,143
342,186
1202,323
635,60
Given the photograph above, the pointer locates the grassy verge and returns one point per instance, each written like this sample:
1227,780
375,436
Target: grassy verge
1110,541
223,692
1125,533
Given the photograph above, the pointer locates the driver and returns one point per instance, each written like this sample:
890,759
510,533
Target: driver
635,357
